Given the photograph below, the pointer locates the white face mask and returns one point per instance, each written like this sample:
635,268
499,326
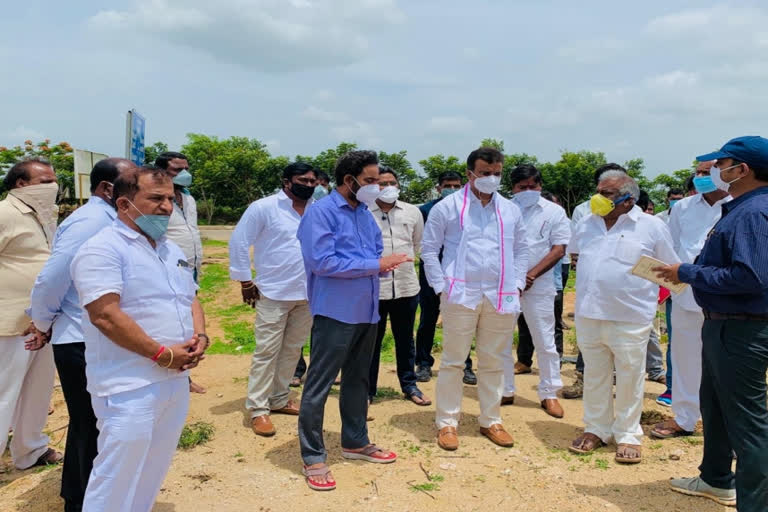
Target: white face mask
42,199
487,184
714,173
526,198
389,194
367,193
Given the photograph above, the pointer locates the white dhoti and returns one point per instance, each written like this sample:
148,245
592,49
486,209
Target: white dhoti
539,312
26,386
491,332
605,345
138,434
686,361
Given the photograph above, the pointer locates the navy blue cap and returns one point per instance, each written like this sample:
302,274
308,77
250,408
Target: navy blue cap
750,149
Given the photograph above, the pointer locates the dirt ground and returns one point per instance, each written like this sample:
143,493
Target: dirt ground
239,471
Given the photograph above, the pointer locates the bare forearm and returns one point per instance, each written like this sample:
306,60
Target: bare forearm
547,262
125,332
198,317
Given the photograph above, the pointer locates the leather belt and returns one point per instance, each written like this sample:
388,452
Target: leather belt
711,315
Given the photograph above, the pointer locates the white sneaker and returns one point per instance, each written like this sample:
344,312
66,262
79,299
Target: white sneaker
698,487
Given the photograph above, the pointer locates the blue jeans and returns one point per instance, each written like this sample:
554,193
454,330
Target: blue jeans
668,307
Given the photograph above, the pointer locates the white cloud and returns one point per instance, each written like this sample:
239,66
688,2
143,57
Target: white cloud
326,116
591,50
450,124
267,35
676,78
355,131
324,95
708,19
22,133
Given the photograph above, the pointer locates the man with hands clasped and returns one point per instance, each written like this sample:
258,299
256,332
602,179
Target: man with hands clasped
144,329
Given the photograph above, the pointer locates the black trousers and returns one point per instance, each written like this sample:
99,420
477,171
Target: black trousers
402,315
733,409
525,340
425,334
301,366
336,346
82,432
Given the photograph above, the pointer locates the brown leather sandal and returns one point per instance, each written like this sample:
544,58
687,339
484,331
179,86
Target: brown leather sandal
585,443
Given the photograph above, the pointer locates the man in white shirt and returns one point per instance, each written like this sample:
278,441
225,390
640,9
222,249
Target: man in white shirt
548,232
614,312
691,221
55,310
673,196
144,329
279,292
27,224
401,230
480,279
182,228
576,390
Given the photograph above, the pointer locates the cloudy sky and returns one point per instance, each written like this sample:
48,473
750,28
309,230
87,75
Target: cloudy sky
662,80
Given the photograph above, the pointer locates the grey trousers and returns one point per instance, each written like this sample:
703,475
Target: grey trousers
654,358
336,346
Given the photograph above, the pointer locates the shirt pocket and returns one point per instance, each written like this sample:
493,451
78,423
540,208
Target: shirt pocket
627,251
183,283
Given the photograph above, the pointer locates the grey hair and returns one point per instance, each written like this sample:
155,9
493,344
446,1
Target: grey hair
628,185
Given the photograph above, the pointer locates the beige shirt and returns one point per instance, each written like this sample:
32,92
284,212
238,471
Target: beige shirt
23,252
401,231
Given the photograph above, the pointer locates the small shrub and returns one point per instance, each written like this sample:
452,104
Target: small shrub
195,434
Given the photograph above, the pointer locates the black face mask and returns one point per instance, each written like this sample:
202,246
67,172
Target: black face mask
302,192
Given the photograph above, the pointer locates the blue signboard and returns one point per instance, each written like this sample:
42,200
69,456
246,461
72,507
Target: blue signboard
135,138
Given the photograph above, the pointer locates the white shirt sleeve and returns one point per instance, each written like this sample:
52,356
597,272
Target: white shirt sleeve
664,249
561,229
190,208
245,235
97,271
520,252
432,243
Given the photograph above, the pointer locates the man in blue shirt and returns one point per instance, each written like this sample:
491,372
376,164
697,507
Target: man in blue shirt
730,283
56,313
341,244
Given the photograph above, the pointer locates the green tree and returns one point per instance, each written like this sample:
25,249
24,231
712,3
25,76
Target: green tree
231,173
151,152
60,155
326,160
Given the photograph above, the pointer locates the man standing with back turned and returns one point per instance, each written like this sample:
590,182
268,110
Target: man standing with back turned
730,283
342,247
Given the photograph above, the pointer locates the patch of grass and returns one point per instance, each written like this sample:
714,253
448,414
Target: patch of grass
214,277
413,449
693,440
436,478
238,455
480,478
651,417
45,467
240,339
215,243
425,487
601,464
573,468
195,434
656,446
239,380
387,393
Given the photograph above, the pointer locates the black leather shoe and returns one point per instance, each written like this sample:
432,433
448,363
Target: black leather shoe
424,374
469,377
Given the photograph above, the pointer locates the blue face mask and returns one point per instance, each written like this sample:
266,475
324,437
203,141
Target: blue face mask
154,226
447,191
183,179
672,202
704,184
319,193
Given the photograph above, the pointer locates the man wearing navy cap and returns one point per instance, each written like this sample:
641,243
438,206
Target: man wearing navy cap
730,283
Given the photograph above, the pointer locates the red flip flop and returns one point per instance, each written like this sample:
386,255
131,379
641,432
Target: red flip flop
368,454
323,471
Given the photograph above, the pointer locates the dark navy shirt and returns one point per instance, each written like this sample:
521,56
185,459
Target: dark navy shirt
731,273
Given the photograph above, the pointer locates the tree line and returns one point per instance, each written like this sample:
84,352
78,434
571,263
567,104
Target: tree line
231,173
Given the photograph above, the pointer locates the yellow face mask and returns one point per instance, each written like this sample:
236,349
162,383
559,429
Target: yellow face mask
602,206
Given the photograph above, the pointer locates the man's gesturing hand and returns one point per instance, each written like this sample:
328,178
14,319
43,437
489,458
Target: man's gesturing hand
250,292
391,262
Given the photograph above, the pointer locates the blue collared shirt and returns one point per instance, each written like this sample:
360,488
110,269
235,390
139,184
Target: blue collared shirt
341,248
731,273
54,300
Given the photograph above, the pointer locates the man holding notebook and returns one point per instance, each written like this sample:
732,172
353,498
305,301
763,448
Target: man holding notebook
615,311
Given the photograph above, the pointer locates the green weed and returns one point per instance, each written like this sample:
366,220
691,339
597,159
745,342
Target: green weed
195,434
